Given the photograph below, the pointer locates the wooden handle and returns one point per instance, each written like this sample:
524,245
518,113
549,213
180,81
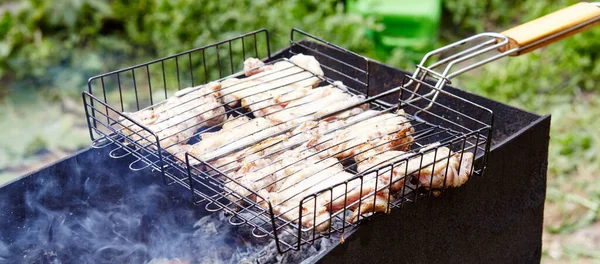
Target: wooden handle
546,26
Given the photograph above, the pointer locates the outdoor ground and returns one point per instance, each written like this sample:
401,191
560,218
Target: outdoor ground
50,49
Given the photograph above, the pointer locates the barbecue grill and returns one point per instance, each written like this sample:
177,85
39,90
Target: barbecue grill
90,208
432,121
441,116
466,127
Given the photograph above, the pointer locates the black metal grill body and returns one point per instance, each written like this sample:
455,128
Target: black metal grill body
495,218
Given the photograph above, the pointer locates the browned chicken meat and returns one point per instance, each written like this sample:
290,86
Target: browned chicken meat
270,148
177,119
254,66
450,170
435,169
376,194
301,137
236,134
369,195
288,178
254,165
308,133
369,130
319,102
271,87
302,174
299,172
251,179
238,164
386,174
266,176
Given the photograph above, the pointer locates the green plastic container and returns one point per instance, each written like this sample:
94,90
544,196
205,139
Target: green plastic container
409,24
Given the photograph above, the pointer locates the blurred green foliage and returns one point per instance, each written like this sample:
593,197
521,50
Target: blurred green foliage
53,44
50,47
565,67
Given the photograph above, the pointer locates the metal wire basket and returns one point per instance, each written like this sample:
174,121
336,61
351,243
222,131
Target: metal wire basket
113,98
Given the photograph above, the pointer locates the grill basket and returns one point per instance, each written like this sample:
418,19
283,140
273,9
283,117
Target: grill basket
148,85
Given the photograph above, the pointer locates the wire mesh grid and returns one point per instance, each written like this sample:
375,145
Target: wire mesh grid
113,96
219,190
431,134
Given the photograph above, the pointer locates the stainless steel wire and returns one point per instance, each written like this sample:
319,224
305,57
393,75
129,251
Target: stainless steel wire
219,187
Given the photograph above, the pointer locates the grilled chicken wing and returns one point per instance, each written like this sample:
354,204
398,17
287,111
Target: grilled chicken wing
270,87
305,174
257,179
265,176
435,169
303,136
307,134
285,180
383,180
254,66
308,174
267,148
371,130
387,174
371,194
378,203
255,164
319,102
453,170
367,195
176,120
236,133
253,169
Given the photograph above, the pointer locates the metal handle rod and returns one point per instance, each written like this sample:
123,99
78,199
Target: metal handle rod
505,44
470,53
